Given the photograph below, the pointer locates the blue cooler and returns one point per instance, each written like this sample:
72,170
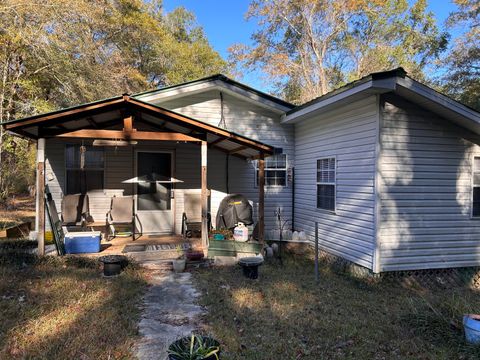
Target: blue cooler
82,242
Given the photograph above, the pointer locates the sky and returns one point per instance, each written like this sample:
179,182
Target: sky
224,24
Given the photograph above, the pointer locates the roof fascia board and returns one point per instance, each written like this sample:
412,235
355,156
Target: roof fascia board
175,92
372,86
213,84
443,100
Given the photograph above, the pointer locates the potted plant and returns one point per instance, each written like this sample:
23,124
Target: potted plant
194,347
180,262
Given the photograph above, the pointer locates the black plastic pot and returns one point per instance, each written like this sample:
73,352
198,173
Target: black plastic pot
185,341
113,264
250,266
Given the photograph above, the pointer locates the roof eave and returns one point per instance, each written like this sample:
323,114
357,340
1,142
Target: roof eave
218,82
369,87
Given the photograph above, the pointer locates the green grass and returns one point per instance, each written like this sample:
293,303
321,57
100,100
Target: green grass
62,308
286,315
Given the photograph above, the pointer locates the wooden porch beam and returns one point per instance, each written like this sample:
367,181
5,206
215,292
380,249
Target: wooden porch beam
128,124
40,223
121,135
204,195
261,199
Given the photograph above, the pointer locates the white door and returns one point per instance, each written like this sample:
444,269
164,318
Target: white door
154,192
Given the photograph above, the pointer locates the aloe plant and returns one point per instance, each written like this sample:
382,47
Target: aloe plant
196,347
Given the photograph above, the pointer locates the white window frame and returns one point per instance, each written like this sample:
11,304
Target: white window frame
285,169
334,184
473,186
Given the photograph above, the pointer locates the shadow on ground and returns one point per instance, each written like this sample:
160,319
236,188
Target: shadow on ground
54,308
286,315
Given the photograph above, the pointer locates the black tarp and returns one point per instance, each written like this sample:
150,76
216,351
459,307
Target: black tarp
232,210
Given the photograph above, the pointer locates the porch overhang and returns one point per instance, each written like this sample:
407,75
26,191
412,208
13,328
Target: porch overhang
112,119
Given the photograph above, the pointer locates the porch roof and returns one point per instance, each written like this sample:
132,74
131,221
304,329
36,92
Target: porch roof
110,114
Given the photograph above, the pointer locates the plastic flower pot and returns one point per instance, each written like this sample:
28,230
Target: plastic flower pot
179,265
471,325
113,264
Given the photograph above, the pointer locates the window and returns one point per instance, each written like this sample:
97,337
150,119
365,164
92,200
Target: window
275,170
476,187
78,180
326,176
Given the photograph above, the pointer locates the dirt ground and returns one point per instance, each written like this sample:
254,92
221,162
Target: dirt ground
20,209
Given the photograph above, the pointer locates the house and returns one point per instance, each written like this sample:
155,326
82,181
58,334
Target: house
386,168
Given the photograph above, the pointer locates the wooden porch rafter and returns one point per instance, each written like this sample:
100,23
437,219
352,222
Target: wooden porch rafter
126,135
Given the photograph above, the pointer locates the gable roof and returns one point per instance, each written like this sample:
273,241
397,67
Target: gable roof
109,114
393,81
219,82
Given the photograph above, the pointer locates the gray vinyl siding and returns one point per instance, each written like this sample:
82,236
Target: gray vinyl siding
250,120
425,167
349,135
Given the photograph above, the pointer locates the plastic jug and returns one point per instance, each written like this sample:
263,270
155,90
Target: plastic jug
240,232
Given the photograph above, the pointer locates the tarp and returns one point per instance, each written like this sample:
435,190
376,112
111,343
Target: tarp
232,210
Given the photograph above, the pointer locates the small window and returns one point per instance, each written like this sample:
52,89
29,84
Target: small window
326,176
81,178
476,187
275,170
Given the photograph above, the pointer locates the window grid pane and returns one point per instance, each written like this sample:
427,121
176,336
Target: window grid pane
276,162
326,171
326,197
326,176
91,177
275,170
476,202
94,157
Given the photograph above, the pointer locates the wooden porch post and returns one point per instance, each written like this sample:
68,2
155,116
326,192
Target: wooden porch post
40,216
204,196
261,198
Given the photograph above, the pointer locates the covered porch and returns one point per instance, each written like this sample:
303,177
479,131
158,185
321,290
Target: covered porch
164,160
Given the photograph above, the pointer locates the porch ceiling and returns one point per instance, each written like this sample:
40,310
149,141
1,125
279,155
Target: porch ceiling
110,114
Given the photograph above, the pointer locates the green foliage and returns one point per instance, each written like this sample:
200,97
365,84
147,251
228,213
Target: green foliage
462,76
310,47
195,347
55,54
17,170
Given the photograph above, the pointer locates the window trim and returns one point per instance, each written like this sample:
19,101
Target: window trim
473,186
66,169
285,169
334,184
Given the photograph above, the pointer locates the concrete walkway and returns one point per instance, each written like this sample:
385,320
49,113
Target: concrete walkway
169,312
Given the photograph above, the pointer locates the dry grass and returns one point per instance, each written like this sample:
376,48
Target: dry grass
63,309
286,315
